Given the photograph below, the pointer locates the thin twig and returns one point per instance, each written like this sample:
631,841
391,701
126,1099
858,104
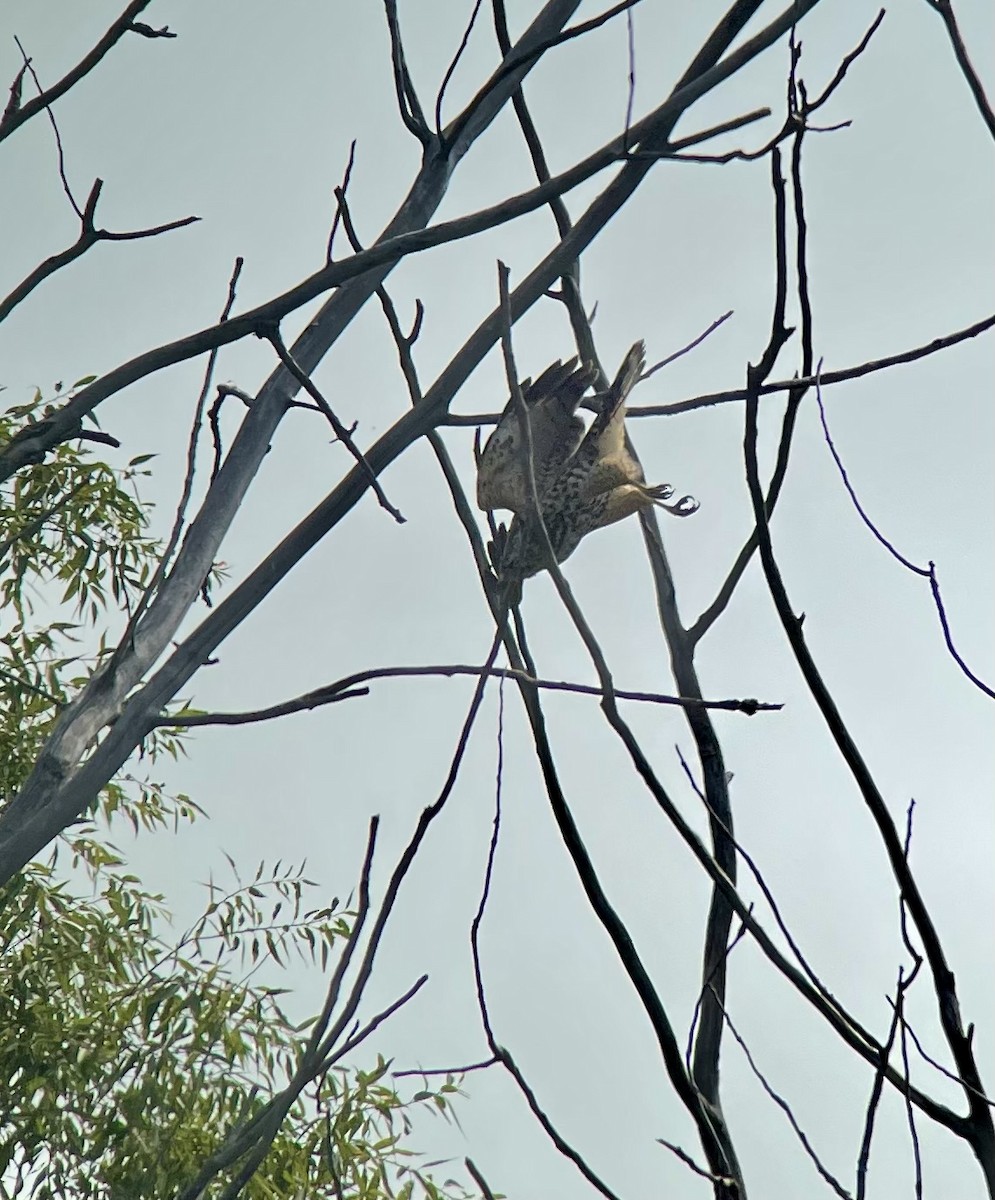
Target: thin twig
783,1105
343,188
768,895
630,99
272,335
938,1066
451,70
404,88
350,686
861,511
693,344
501,1053
465,1069
719,964
863,1160
725,593
928,572
910,1112
27,686
724,1180
124,23
846,64
900,993
60,150
371,1026
89,235
735,395
524,58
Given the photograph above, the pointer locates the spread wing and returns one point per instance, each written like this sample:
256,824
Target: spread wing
556,433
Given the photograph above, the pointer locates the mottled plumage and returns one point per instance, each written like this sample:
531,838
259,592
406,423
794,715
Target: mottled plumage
594,483
556,429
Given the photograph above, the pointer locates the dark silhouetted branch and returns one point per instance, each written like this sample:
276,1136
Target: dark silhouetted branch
451,69
407,98
725,1181
735,395
500,1053
345,689
89,236
846,64
946,11
47,97
977,1128
344,435
179,518
783,1105
526,57
693,344
928,572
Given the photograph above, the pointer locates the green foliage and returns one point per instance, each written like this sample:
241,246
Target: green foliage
74,521
126,1057
74,543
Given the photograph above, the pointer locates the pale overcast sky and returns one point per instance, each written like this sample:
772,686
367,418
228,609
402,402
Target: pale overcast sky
245,119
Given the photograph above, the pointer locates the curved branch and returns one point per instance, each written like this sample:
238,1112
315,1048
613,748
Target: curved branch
350,686
13,119
89,235
946,11
977,1127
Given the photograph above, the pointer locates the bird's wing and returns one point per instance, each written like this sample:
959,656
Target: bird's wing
556,432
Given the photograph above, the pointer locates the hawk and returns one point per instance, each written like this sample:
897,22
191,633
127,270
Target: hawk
556,430
583,482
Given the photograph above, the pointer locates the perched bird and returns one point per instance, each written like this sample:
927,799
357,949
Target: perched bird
596,483
557,431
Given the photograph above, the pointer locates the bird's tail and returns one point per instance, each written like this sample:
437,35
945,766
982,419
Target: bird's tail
626,379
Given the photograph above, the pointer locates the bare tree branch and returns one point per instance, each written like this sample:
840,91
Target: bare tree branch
863,1160
61,788
946,12
978,1127
21,113
349,687
928,572
89,235
500,1053
525,57
693,344
705,1113
783,1105
344,435
725,1181
845,65
479,1180
34,441
179,518
407,98
734,395
451,69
